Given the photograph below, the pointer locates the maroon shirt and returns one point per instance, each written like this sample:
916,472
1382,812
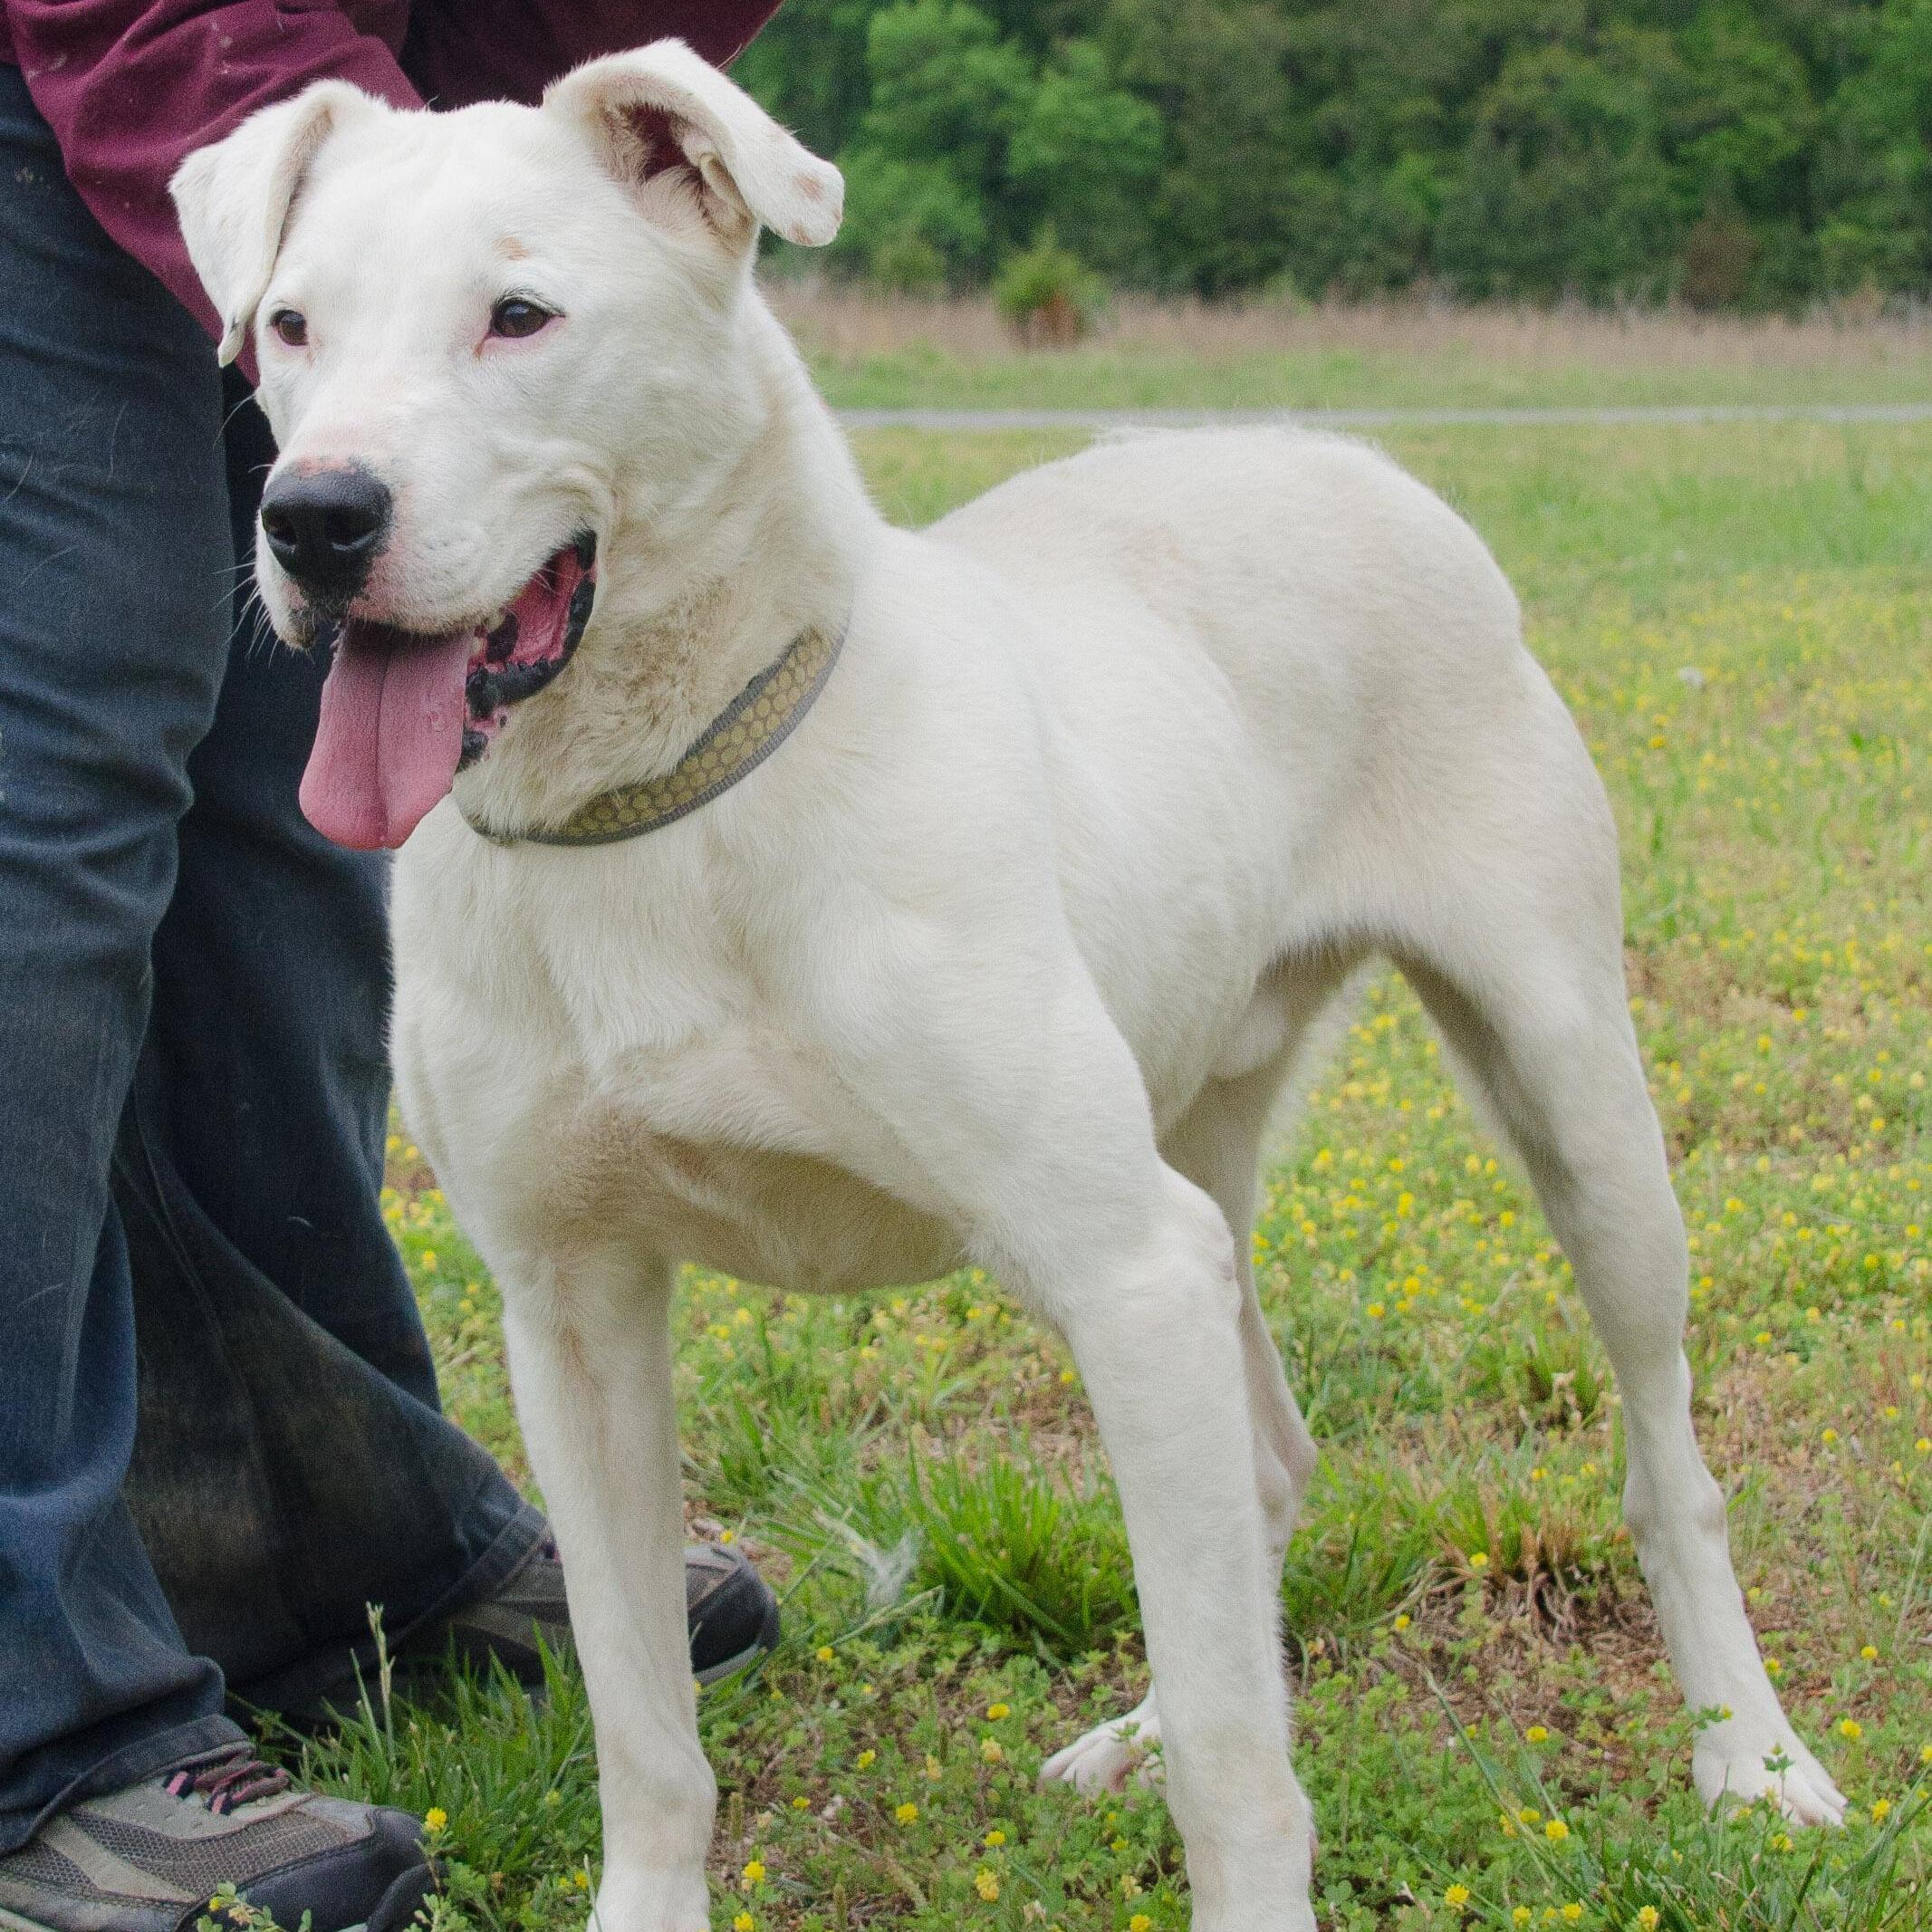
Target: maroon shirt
130,87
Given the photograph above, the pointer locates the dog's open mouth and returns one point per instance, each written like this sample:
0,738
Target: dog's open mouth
403,712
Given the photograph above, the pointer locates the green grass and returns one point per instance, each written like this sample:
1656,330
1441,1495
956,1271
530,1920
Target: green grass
1103,378
880,354
1741,617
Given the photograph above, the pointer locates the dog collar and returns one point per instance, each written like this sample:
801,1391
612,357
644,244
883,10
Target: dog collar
735,743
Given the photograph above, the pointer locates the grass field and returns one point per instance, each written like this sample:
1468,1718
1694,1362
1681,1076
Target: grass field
879,352
1742,618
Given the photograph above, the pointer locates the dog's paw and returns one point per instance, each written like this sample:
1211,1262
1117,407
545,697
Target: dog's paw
1732,1769
1109,1753
632,1900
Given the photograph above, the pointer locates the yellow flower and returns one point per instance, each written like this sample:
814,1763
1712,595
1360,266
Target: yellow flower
1521,1915
1925,1753
995,1838
1556,1831
867,1759
1573,1911
755,1872
1117,1846
906,1813
744,1922
997,1711
1648,1918
1828,1437
1528,1815
581,1879
1781,1841
825,1653
1140,1922
985,1885
1401,1622
1480,1561
1881,1810
1537,1734
1851,1727
802,1802
436,1818
1456,1898
1869,1652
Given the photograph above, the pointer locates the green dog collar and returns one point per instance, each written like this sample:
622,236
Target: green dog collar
755,723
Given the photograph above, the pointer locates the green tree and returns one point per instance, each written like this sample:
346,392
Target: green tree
1085,158
1874,170
925,170
808,69
1767,150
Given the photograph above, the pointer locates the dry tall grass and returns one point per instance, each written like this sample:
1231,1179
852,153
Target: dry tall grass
849,324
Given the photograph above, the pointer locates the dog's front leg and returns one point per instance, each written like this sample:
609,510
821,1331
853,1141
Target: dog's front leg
1010,1100
1153,1311
590,1364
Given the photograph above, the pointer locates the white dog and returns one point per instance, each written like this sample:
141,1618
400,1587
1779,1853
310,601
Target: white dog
1003,957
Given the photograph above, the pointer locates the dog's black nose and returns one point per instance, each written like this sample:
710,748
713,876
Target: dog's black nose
325,527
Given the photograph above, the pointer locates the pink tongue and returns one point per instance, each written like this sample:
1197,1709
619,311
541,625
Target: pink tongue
390,735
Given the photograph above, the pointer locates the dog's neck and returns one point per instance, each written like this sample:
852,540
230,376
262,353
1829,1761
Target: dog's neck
693,600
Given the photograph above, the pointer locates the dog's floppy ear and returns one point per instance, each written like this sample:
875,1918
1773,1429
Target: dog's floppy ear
232,198
670,126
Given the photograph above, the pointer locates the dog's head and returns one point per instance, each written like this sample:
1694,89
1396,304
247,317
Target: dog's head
478,334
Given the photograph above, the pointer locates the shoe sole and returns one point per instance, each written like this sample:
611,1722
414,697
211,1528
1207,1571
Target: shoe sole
398,1907
761,1645
395,1911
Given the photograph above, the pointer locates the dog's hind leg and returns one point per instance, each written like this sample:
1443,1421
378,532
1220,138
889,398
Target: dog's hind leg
590,1350
1524,975
1217,1145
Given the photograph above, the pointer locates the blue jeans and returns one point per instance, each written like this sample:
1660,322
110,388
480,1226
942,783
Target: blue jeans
219,1432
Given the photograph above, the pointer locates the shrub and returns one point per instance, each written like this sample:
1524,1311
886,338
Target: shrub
1047,297
1719,250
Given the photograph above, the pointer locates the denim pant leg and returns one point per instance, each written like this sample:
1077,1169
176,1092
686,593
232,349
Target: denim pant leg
312,1473
313,1462
113,634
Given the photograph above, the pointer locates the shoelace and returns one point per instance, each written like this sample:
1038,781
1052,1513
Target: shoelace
228,1781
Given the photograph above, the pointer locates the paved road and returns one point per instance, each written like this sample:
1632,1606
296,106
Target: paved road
1099,419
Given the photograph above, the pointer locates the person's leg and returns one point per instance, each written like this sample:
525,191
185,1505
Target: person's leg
113,627
293,1466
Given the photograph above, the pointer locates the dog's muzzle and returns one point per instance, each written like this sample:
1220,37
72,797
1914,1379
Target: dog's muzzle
402,712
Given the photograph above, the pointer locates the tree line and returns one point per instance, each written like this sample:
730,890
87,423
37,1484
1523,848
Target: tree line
1758,154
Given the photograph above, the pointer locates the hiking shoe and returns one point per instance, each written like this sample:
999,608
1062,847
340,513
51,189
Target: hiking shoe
730,1609
150,1857
731,1616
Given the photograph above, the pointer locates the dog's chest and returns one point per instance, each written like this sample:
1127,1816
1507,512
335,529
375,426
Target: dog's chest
568,1075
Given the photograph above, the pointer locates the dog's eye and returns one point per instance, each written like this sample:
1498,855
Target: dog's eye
291,325
517,316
